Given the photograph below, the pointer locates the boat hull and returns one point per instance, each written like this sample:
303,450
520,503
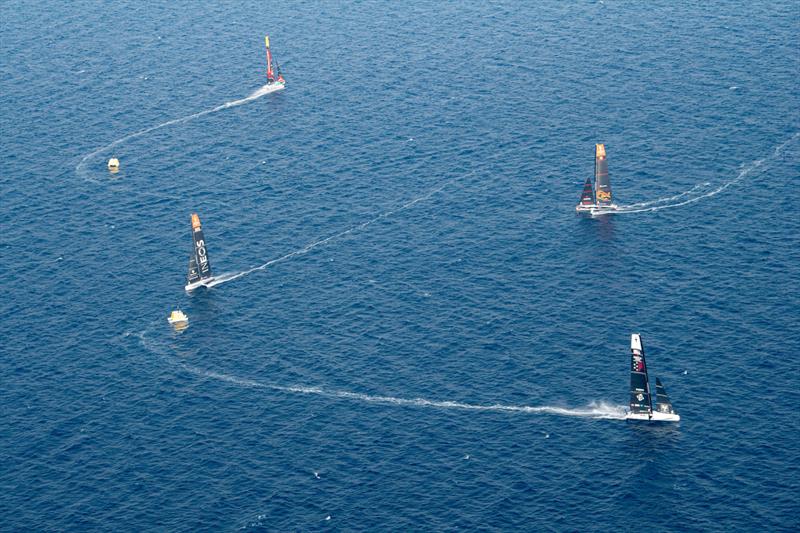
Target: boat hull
603,210
653,417
202,283
596,210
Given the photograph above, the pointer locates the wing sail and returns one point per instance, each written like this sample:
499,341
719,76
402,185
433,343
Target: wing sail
194,275
199,252
602,183
640,402
270,75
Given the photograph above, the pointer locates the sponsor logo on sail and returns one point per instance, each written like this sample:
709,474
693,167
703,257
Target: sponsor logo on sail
201,255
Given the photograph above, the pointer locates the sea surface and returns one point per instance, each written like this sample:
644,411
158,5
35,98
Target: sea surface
416,332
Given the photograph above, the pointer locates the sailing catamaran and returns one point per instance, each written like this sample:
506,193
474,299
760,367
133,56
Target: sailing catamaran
271,80
596,198
199,266
641,405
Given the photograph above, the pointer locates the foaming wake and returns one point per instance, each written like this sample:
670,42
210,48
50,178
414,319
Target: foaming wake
224,278
703,190
713,192
258,93
595,409
694,190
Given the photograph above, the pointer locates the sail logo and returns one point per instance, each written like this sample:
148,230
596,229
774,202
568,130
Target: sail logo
201,255
603,195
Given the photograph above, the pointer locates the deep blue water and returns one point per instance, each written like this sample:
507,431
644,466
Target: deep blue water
440,338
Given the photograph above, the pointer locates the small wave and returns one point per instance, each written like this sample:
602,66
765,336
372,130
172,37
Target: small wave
258,93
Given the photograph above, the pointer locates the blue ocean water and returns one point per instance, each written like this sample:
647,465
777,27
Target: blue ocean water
424,336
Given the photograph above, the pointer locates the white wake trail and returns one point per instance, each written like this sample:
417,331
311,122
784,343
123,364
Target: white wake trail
224,278
258,93
624,210
664,203
595,409
691,191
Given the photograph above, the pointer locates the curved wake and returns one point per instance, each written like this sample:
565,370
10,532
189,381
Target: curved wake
597,410
224,278
701,190
691,191
258,93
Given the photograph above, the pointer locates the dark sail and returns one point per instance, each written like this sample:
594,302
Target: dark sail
199,253
194,275
663,405
640,388
587,196
602,184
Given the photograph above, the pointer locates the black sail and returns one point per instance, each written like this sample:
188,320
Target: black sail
640,388
587,196
194,275
199,252
601,181
663,405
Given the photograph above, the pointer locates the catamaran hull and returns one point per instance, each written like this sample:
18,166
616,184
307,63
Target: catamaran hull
596,210
202,283
604,210
654,417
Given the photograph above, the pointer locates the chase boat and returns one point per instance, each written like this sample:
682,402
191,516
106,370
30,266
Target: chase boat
177,318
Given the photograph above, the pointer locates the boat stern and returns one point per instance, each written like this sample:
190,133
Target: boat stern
201,283
654,417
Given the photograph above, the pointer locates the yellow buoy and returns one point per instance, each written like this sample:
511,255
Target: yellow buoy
113,164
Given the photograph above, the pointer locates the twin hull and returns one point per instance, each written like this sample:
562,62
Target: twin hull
654,417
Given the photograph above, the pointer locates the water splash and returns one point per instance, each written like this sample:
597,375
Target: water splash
80,168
